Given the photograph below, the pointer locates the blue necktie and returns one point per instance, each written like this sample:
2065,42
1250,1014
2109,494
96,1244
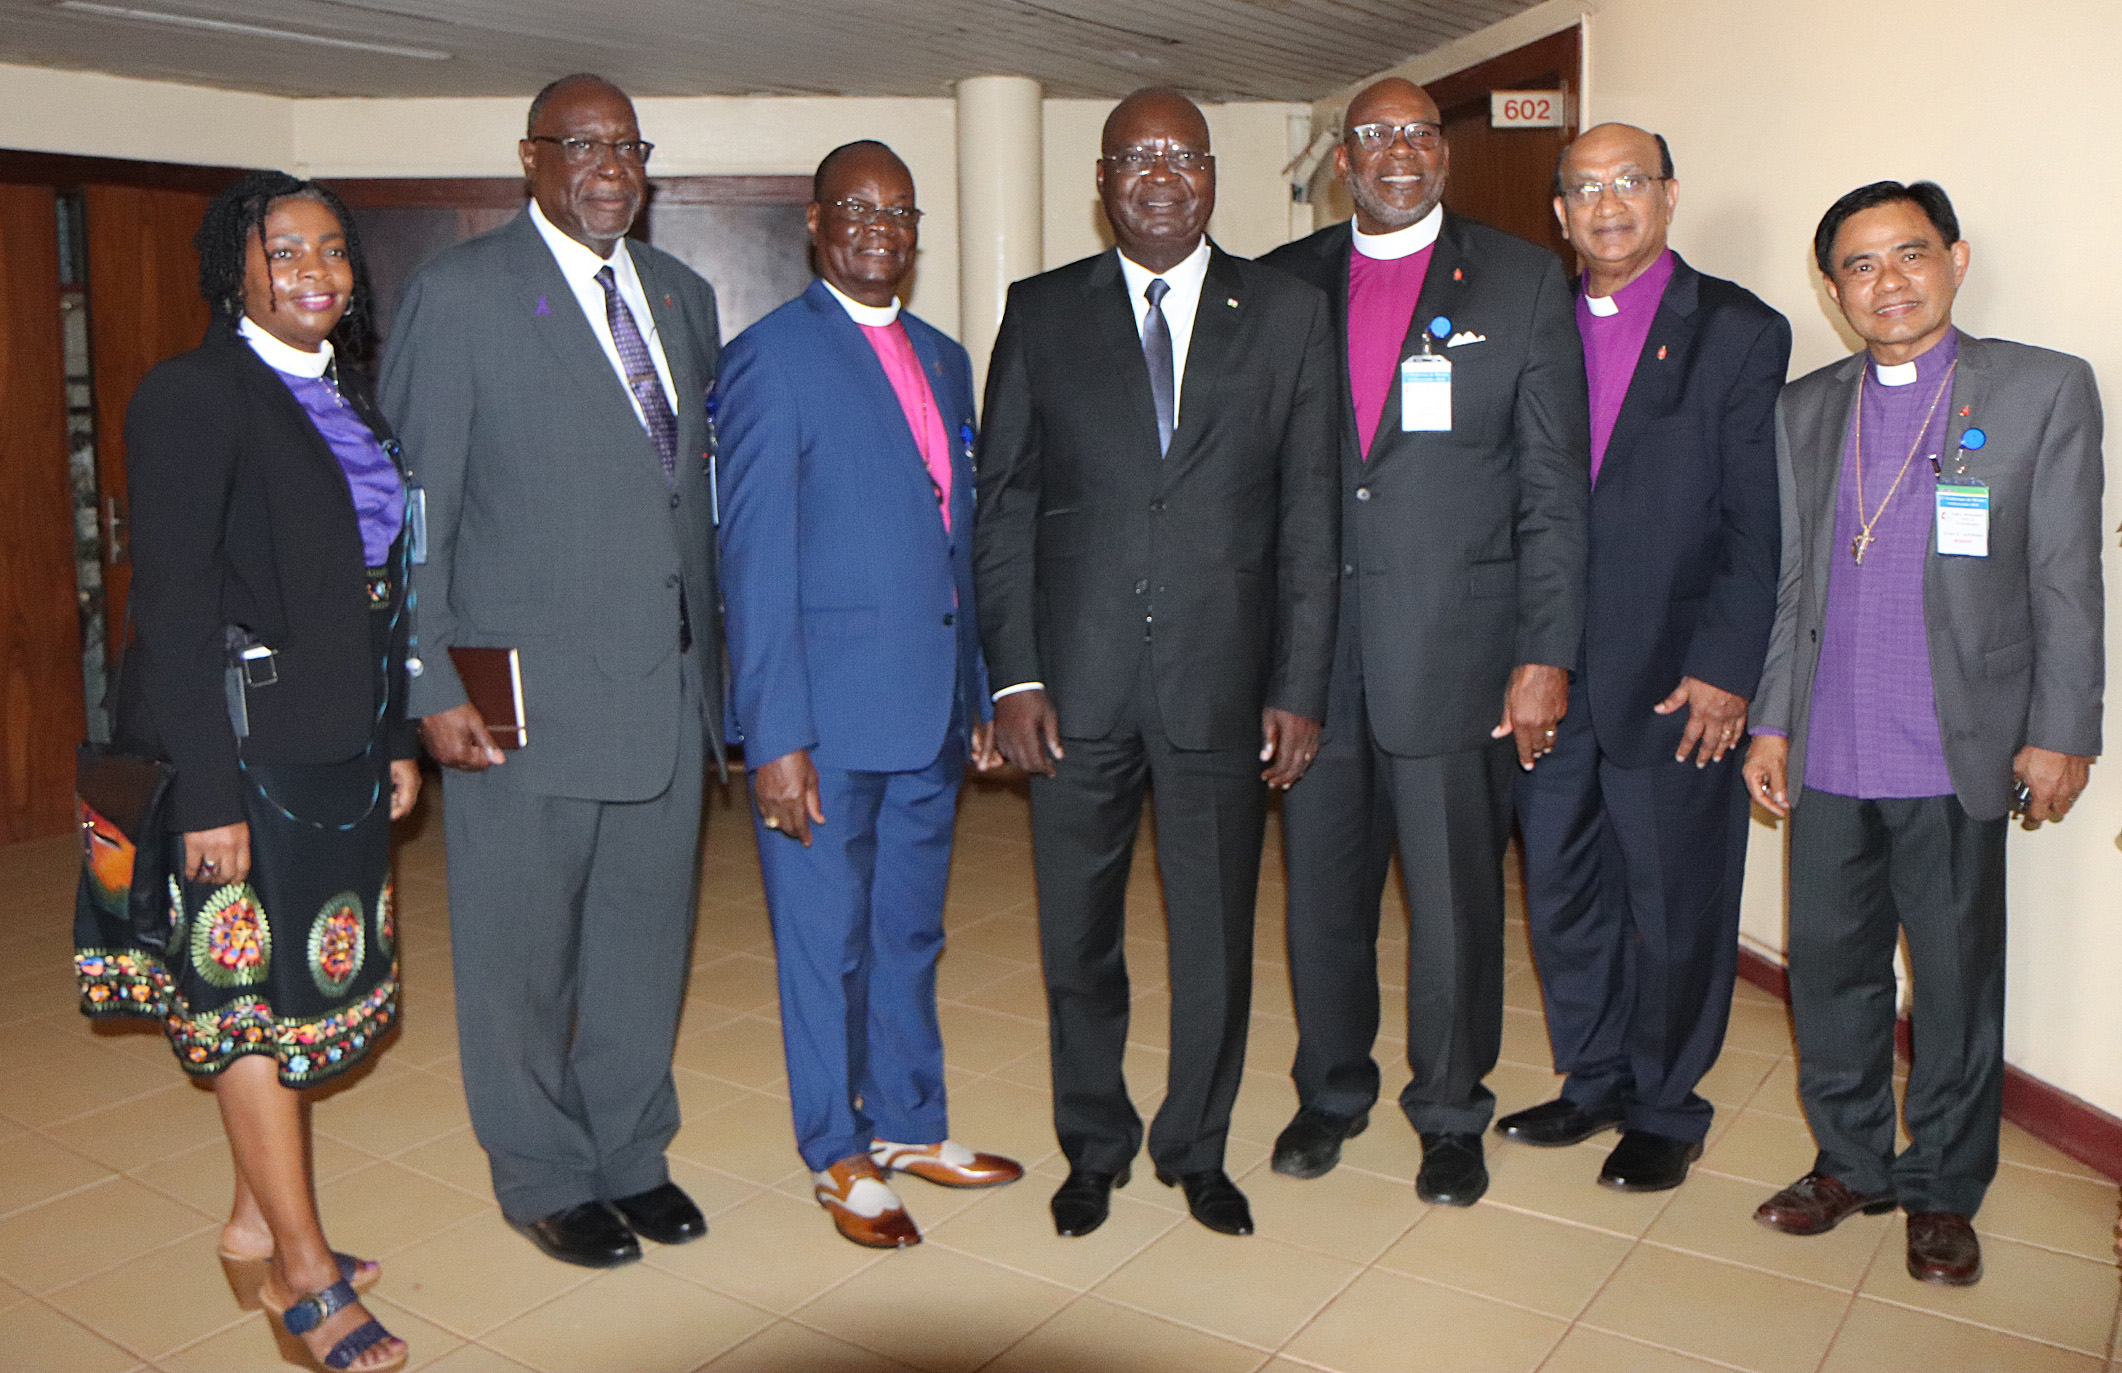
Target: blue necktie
641,378
1157,352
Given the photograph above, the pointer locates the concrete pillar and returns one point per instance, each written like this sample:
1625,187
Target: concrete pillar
1001,210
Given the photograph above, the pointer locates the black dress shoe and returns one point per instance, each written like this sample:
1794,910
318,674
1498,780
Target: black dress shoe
1214,1200
1084,1201
663,1214
1453,1170
590,1236
1553,1124
1310,1145
1644,1162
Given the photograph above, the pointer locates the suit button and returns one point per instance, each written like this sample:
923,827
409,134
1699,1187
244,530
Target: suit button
950,619
1362,493
674,500
1348,569
1142,587
671,580
1156,507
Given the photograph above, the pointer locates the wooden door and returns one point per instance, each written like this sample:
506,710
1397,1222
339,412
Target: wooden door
143,306
42,712
1505,177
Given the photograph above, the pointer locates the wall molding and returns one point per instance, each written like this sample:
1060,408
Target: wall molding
2047,1112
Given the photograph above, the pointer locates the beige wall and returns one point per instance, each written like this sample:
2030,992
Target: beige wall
157,121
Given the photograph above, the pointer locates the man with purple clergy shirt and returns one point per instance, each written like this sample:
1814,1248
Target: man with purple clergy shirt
1635,829
1462,596
846,540
1936,664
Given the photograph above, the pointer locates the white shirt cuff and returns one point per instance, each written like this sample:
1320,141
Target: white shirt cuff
1021,686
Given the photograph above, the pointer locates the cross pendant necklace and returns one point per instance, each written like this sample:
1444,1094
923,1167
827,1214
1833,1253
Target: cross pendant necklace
1861,544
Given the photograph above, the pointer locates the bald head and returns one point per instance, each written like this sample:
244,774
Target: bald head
1644,148
1157,107
1615,197
568,85
1394,97
1392,156
860,159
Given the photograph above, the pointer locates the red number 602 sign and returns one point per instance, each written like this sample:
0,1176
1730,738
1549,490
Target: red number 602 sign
1526,109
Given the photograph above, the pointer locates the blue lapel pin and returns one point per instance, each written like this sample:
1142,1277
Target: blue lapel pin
543,308
1973,438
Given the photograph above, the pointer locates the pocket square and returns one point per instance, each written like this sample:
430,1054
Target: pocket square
1466,336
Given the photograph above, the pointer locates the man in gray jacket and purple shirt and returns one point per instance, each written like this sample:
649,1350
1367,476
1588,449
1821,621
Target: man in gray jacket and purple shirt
1936,665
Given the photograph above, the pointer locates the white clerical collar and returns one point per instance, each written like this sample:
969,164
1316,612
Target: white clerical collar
1190,270
283,357
875,316
576,258
1900,374
1602,306
1400,243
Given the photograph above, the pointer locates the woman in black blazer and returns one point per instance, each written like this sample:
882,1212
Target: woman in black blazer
269,512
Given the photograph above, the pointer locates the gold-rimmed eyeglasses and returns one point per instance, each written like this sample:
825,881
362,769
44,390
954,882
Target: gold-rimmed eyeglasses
1628,186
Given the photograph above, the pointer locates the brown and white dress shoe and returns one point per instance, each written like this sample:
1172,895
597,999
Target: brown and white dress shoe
863,1205
949,1164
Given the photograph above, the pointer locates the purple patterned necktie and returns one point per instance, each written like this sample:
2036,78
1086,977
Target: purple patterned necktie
641,378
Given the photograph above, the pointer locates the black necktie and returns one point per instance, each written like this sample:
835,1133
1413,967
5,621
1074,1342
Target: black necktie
1157,352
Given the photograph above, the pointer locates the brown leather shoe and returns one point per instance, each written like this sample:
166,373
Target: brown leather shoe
949,1164
1816,1204
1942,1248
863,1206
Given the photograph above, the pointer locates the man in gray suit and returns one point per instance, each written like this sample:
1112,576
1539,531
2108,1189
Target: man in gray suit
1936,650
548,381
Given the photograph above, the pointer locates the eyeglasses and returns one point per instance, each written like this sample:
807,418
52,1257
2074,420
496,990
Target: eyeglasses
1422,136
578,151
863,213
1628,186
1138,161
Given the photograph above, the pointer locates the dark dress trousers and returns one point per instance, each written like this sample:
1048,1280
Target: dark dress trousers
2016,658
1633,860
552,529
1164,602
1463,557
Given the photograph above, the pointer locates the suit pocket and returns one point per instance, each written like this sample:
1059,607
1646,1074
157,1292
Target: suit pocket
2009,660
1497,578
1061,532
838,626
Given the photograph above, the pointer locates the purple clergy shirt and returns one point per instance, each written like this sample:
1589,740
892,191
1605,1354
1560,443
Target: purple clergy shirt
379,494
1874,730
1382,293
1613,345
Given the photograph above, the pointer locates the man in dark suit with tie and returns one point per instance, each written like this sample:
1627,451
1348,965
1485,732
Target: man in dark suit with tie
1635,829
1155,567
1462,601
551,379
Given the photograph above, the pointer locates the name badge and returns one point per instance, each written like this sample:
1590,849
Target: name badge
1963,519
416,523
1425,394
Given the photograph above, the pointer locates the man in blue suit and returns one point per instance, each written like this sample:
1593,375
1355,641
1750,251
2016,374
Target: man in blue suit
846,536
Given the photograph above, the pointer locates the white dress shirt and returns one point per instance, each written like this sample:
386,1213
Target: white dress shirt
580,266
1399,243
1181,303
875,316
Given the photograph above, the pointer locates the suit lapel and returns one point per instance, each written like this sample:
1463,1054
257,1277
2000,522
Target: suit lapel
1971,393
554,315
675,334
1113,319
1821,481
1444,289
1215,326
859,362
1655,383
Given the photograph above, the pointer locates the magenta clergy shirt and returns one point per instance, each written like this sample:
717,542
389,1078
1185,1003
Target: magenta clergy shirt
1381,304
902,366
1874,727
1613,344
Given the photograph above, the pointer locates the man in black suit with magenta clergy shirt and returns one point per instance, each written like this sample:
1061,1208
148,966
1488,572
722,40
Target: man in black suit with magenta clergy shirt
1635,829
1461,607
1154,560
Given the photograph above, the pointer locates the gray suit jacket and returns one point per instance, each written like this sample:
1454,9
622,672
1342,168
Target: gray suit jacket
550,527
2015,638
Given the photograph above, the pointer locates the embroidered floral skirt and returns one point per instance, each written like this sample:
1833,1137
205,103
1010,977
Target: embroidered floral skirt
299,962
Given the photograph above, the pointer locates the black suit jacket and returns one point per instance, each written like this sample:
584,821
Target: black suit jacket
242,515
1463,552
1685,523
1220,553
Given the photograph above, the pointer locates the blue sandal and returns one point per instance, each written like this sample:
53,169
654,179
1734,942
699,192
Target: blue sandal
312,1311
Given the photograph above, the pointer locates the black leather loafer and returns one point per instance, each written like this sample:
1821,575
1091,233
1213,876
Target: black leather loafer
1214,1200
663,1214
1084,1201
1310,1145
1644,1162
589,1236
1454,1173
1556,1124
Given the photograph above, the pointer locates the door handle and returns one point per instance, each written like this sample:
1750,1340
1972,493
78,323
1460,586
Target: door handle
113,532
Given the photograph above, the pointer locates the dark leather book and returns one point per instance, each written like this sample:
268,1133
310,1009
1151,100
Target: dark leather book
493,679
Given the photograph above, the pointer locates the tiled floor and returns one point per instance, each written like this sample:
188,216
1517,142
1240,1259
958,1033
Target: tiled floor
113,1180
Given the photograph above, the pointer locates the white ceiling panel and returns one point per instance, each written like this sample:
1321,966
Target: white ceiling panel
1214,49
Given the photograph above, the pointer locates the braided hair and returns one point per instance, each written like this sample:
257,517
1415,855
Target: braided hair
238,214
